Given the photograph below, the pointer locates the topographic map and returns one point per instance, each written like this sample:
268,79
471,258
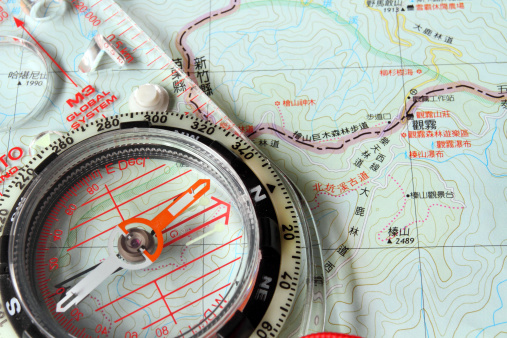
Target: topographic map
389,115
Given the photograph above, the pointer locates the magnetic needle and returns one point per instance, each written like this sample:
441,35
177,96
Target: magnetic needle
152,225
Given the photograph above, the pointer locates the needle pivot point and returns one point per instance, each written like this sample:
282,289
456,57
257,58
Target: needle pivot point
132,245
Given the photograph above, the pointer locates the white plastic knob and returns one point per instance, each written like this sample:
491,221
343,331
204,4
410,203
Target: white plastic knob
149,97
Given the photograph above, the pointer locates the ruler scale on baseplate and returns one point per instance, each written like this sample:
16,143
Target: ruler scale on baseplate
117,27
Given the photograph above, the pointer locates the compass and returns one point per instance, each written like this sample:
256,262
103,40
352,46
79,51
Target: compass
153,225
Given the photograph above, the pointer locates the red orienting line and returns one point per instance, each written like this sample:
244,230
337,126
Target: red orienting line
167,200
170,272
158,186
184,307
149,172
96,3
168,309
89,239
176,290
133,198
114,202
91,219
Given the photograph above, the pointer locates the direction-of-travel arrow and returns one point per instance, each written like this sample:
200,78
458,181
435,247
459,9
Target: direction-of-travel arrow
21,24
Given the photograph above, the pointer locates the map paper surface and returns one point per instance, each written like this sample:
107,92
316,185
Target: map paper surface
389,116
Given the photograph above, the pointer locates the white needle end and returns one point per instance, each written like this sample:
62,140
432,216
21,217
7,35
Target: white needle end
67,302
219,227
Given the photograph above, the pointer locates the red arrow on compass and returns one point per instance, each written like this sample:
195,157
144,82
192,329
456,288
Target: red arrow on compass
21,24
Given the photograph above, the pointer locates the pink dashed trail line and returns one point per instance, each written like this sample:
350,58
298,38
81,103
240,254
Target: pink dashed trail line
411,223
104,314
169,264
281,116
163,265
341,195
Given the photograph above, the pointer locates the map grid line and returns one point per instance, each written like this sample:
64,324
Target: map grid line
412,180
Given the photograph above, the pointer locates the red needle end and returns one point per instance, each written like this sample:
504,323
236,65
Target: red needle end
18,22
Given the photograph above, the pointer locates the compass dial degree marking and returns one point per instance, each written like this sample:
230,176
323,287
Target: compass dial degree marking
226,138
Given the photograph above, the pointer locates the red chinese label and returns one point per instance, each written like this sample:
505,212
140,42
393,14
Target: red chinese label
342,187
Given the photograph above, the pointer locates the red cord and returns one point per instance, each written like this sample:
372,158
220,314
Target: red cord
330,335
